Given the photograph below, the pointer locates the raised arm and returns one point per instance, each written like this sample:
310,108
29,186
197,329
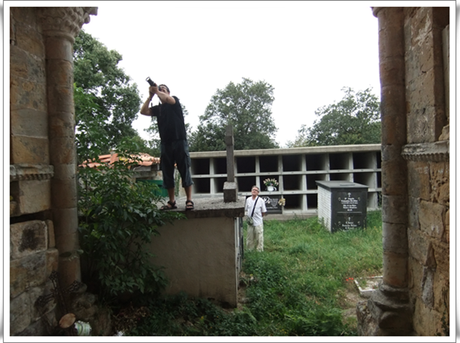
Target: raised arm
164,96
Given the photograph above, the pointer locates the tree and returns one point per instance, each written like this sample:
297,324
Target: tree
353,120
106,103
247,107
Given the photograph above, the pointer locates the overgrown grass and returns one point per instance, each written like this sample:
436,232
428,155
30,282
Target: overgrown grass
292,286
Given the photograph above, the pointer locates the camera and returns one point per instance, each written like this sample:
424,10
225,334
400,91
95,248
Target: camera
149,80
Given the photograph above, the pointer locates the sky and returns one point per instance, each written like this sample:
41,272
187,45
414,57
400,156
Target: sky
308,51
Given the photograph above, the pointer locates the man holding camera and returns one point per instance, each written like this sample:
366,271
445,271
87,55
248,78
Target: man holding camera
174,146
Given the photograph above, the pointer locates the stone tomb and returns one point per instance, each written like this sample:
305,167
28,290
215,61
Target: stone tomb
342,205
202,254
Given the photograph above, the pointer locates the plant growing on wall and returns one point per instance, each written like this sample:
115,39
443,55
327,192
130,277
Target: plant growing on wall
117,219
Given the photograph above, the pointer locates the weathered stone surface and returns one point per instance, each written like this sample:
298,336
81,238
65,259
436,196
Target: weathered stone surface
28,271
51,238
439,177
66,154
394,237
440,292
414,209
213,207
25,93
34,196
395,269
427,287
394,178
230,192
442,257
420,248
34,293
25,149
367,324
419,178
20,313
52,258
61,100
43,327
415,275
28,238
66,199
28,38
58,48
29,122
67,224
432,219
394,209
426,321
24,172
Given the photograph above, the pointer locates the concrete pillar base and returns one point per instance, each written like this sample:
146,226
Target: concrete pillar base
230,192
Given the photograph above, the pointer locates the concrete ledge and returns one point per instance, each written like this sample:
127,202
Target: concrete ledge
212,207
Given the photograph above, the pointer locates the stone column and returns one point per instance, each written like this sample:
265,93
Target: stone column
389,306
60,25
230,186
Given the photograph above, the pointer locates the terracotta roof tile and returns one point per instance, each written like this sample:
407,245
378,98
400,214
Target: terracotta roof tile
146,160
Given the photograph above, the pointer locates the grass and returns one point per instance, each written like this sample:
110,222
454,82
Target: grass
293,286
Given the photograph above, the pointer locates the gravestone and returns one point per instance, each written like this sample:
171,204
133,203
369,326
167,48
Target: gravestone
230,186
342,205
272,203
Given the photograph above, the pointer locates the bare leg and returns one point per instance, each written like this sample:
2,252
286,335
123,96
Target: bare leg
189,203
188,192
171,196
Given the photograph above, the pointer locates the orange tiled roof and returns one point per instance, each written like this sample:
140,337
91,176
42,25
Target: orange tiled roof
145,160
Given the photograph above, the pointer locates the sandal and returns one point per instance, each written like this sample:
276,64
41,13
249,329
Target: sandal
172,205
189,205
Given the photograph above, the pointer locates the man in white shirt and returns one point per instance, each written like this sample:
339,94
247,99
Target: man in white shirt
255,209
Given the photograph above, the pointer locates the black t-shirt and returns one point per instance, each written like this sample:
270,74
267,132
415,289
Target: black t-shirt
170,121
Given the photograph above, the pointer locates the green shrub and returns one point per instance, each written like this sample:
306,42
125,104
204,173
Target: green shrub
118,217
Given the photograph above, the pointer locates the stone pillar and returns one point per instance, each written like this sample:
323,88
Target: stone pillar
60,25
230,186
389,306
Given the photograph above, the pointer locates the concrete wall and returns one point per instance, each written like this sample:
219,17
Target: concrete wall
202,253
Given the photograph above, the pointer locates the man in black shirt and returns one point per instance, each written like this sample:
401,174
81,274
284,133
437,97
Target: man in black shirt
174,145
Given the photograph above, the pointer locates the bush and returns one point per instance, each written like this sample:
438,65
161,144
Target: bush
118,217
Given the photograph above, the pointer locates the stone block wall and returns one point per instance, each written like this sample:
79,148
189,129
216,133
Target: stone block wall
33,255
34,222
413,298
428,234
428,167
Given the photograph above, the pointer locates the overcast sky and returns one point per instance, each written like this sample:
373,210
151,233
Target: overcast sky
308,51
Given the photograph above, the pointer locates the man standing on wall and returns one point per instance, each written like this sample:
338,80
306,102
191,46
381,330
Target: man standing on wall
255,210
174,146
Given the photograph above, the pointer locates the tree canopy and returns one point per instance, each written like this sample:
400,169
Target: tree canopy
247,107
106,104
353,120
